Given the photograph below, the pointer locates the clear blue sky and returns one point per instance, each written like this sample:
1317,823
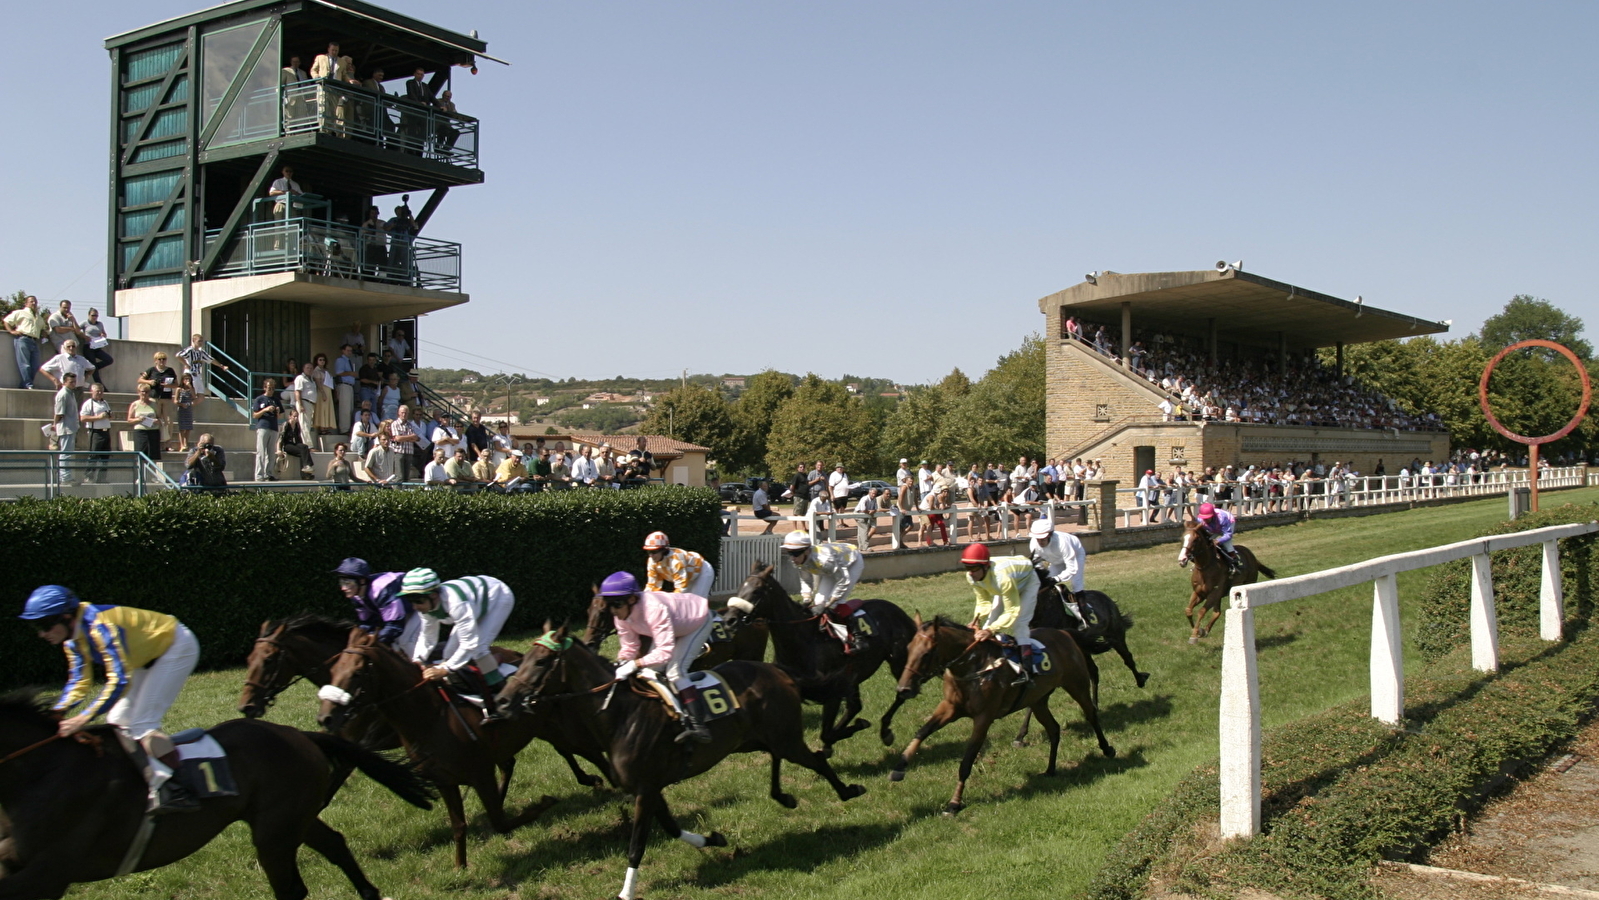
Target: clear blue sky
887,188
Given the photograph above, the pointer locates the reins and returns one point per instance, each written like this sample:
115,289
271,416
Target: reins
87,740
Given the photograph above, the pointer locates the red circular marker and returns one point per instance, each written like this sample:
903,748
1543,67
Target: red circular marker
1582,410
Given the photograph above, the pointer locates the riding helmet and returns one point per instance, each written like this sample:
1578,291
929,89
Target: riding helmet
1041,529
797,540
49,600
657,541
419,581
354,567
619,584
1207,511
975,555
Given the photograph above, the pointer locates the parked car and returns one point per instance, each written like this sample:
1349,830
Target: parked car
742,491
861,488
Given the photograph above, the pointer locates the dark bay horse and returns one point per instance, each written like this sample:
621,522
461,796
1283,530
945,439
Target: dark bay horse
563,678
826,674
75,805
1211,578
441,732
748,639
978,684
304,646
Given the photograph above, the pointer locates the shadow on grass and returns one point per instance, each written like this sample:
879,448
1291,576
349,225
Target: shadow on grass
1271,641
796,851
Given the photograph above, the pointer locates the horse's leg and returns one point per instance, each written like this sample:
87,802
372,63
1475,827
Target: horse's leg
1021,736
1079,690
974,746
1051,728
451,795
643,805
787,801
331,844
852,708
583,778
1118,642
792,747
663,815
1193,601
488,792
277,843
507,768
885,726
1093,674
943,715
829,732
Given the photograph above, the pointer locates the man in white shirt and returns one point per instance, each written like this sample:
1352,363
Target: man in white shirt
305,392
66,361
838,487
867,507
66,420
434,474
382,461
282,188
94,419
902,473
63,328
583,469
445,436
924,479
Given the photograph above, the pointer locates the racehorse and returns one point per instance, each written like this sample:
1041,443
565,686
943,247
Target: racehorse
1212,578
75,805
303,646
827,675
1110,633
563,678
442,733
978,684
746,641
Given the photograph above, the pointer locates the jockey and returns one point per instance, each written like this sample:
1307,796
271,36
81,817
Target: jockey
378,607
828,570
475,608
146,656
688,571
677,626
1062,555
1219,522
1007,590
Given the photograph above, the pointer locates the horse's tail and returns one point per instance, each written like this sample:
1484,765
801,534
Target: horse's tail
405,781
1264,569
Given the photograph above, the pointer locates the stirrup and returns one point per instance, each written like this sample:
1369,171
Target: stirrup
695,731
173,796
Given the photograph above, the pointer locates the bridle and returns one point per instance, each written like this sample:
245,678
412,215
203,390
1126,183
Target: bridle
266,694
916,671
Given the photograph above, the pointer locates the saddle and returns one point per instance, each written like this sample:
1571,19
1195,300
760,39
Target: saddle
203,765
716,698
849,623
1095,614
1041,662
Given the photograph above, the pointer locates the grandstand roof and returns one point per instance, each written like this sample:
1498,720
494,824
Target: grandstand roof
1245,306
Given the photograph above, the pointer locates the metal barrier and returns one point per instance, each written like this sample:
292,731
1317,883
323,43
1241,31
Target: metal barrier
47,474
320,247
1240,678
739,554
383,120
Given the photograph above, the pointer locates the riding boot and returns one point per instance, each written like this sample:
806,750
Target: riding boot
1077,614
469,679
1026,675
693,716
1084,610
168,794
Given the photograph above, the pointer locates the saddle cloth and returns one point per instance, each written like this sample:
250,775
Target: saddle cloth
203,764
1013,655
718,699
506,671
720,633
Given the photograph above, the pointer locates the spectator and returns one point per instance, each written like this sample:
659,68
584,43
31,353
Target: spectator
307,389
292,438
161,379
483,469
96,340
28,326
66,421
184,398
838,484
346,370
902,473
341,470
799,490
538,465
604,467
364,433
356,338
399,341
560,472
144,415
513,470
207,465
382,463
325,419
68,360
924,482
197,361
264,412
433,474
406,441
458,469
445,435
502,443
866,509
64,327
477,435
369,382
374,240
389,400
584,472
761,506
94,417
402,231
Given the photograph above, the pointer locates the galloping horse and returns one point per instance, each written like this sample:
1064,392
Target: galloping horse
978,685
562,678
748,640
74,806
827,675
1109,634
444,734
1212,578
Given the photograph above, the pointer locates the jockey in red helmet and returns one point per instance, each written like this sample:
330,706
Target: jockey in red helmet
1006,589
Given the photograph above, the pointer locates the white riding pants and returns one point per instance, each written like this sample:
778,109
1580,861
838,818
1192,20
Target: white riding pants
152,690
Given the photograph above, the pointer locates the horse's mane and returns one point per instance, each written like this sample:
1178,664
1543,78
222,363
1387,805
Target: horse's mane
313,625
946,622
24,703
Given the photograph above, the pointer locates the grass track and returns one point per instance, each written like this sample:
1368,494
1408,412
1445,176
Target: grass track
1021,830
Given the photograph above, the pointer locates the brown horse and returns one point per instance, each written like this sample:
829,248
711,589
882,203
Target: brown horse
442,733
563,678
1212,578
826,674
74,806
745,640
978,684
304,646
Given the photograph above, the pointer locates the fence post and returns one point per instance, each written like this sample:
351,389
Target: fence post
1240,726
893,529
1107,506
1551,596
1484,623
1387,653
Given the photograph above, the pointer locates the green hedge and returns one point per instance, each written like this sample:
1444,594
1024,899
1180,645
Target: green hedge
1342,790
1446,600
225,564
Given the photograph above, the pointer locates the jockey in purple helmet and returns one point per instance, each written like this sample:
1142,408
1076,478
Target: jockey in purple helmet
1219,522
677,626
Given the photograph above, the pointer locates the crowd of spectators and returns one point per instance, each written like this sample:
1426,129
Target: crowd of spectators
333,96
1251,389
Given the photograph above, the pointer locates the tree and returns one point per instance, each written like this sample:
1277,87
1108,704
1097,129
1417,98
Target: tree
955,384
822,421
1002,416
912,429
693,413
752,418
1527,318
12,303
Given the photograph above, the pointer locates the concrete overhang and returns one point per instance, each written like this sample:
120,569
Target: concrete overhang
1245,306
329,297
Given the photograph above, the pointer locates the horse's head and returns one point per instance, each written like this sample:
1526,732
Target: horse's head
1196,543
287,649
547,668
23,720
600,623
760,596
364,672
266,674
936,643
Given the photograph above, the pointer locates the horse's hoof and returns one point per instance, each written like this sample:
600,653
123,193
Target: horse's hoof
825,752
1018,743
1109,751
786,801
715,839
953,808
897,775
853,791
1051,772
888,738
1193,639
860,725
1143,678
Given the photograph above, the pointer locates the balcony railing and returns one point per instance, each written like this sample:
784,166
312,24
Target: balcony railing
318,247
384,120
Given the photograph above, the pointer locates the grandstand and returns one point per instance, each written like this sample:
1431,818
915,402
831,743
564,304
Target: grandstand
1218,367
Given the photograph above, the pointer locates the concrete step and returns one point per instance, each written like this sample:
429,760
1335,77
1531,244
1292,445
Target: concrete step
39,403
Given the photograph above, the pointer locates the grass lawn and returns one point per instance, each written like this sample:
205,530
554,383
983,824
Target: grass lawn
1022,834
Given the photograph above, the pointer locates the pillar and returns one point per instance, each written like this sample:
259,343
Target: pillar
1340,359
1210,338
1127,329
1107,505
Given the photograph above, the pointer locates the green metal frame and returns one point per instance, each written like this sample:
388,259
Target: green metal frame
230,228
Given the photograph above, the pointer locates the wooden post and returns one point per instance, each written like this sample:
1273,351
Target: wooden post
1484,623
1240,726
1551,596
1387,653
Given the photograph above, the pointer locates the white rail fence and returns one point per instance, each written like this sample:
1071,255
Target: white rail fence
1137,507
1240,678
